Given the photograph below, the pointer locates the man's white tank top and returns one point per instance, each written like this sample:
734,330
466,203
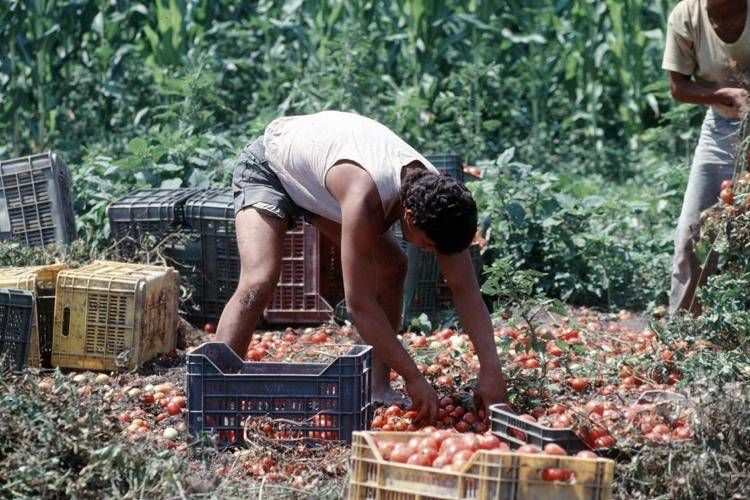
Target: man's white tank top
301,149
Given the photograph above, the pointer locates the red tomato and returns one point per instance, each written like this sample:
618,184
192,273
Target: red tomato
179,400
586,454
420,459
528,418
386,448
319,337
401,453
727,196
578,384
460,458
554,449
555,474
419,342
394,411
209,328
555,409
442,461
604,442
489,442
462,426
727,184
173,408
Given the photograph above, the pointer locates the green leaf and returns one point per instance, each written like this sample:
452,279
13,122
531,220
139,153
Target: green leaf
138,146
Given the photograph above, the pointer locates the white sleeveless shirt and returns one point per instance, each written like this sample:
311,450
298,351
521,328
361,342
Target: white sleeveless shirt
301,150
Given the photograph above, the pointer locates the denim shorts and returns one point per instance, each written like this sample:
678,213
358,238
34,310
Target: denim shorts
256,185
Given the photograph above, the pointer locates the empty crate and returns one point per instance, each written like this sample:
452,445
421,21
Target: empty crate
113,316
147,212
40,280
35,203
16,315
305,402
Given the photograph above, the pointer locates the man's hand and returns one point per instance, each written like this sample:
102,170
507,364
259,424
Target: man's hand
424,400
490,390
738,100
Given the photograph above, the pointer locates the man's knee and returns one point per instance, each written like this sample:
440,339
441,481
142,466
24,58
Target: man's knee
254,295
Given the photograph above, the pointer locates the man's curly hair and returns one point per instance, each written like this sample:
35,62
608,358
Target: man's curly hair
443,208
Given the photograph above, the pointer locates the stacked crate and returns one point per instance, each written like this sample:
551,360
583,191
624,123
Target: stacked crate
148,217
40,281
298,297
35,203
114,315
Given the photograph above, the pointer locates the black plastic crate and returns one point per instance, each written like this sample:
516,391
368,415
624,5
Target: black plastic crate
317,402
36,207
517,432
147,212
16,310
210,214
159,213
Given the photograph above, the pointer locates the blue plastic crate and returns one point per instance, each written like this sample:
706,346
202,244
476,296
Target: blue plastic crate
309,402
16,309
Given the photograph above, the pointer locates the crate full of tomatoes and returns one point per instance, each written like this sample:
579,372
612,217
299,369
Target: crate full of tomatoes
322,400
451,465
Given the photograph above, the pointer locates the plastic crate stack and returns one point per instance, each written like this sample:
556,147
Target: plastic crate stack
114,315
148,217
40,281
207,256
16,319
35,203
313,403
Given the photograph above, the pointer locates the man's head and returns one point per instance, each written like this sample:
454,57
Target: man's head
439,213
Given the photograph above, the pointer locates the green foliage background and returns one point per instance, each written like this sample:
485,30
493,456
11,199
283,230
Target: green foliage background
165,93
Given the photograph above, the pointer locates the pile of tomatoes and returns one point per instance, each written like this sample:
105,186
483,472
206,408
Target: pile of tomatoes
451,451
455,413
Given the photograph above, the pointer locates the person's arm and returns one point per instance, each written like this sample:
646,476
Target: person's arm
475,318
684,89
361,225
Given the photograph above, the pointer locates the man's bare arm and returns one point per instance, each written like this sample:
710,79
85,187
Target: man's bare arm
684,89
361,225
475,318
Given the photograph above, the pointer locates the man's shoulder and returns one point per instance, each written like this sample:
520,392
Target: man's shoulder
686,15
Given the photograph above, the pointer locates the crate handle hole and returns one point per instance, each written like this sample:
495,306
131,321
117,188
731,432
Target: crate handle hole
66,322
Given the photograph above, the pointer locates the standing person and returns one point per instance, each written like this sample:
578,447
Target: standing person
354,178
707,55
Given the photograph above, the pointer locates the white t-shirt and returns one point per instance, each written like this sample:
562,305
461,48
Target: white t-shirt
693,48
301,150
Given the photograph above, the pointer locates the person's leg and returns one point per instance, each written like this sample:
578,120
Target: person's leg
260,237
712,164
391,269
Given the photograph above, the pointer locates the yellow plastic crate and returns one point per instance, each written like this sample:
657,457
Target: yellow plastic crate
114,316
487,476
39,280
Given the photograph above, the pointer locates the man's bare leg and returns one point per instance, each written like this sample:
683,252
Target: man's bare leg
260,238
